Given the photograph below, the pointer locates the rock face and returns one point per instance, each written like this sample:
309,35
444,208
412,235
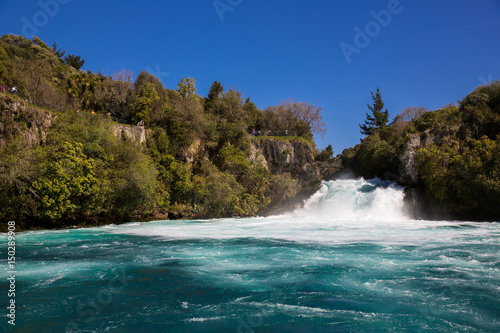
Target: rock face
407,172
19,118
280,156
130,132
189,154
408,159
294,156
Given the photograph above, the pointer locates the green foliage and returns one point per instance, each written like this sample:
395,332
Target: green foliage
19,168
427,121
481,110
281,187
465,182
68,185
195,159
179,180
216,91
145,97
74,61
132,182
187,87
433,168
373,157
231,159
325,155
295,117
58,52
218,193
378,118
81,88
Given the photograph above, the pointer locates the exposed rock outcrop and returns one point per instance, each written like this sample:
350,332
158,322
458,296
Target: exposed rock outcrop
408,159
189,154
293,155
130,132
19,118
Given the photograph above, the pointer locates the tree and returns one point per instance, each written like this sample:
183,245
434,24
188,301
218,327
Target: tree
379,117
35,81
411,113
186,87
325,155
74,61
216,91
145,97
69,184
81,88
58,52
306,119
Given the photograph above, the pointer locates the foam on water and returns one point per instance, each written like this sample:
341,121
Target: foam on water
342,211
356,199
349,260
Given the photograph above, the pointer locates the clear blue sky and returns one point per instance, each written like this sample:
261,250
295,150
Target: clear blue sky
428,53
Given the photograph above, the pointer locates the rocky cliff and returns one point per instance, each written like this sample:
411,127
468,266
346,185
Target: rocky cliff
20,118
294,156
130,132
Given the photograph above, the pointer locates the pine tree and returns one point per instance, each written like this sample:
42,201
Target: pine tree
379,117
216,91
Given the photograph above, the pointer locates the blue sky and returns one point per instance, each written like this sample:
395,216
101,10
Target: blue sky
420,53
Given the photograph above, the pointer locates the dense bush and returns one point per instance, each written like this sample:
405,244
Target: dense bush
195,159
458,162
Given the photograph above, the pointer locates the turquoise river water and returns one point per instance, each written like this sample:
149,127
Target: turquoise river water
348,261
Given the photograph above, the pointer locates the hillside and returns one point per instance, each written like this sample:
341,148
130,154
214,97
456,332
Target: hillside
449,159
79,148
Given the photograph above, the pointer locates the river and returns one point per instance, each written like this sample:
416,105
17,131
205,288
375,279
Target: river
349,260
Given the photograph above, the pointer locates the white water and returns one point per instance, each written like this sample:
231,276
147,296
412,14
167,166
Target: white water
341,212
